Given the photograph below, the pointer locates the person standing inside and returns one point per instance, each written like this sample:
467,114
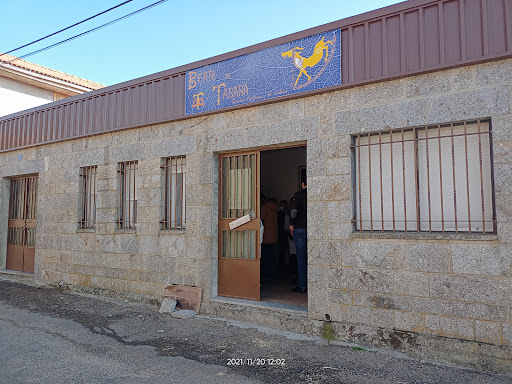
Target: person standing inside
283,259
292,253
298,228
269,249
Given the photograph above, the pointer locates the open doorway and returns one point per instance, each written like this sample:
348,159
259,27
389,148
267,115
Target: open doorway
280,179
246,180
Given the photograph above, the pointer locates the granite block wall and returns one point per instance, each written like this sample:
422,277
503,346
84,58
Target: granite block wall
454,286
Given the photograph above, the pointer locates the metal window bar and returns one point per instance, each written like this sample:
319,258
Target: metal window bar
31,210
481,174
173,193
416,181
87,218
238,181
17,210
403,178
23,206
440,178
432,150
127,207
370,175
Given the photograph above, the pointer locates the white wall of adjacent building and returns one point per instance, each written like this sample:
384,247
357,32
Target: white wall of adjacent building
16,96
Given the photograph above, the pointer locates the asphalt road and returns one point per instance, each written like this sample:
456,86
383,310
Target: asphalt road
49,335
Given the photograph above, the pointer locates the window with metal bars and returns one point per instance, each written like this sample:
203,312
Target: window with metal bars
127,207
87,214
173,192
427,179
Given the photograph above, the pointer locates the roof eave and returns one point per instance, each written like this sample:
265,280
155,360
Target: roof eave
42,81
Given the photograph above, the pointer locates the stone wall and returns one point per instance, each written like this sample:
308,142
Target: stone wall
454,286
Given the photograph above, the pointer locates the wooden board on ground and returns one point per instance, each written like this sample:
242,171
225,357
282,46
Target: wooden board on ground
187,297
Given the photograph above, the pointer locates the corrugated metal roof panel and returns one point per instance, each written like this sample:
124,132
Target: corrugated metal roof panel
405,39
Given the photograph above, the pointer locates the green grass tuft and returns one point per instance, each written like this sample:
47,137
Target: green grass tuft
358,348
327,332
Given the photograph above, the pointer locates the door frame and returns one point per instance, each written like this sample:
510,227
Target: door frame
26,267
244,265
220,156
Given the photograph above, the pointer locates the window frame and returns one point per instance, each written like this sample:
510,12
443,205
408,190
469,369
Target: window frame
173,165
87,197
127,208
488,213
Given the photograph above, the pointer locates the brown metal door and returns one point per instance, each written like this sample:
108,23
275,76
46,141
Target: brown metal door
21,236
239,248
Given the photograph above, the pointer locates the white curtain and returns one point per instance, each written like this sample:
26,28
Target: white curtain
448,192
177,196
454,183
394,200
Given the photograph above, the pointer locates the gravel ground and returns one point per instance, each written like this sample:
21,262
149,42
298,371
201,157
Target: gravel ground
48,333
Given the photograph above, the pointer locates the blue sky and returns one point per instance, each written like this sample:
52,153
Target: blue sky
169,35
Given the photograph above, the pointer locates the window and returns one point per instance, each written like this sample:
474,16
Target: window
87,214
426,179
127,207
173,192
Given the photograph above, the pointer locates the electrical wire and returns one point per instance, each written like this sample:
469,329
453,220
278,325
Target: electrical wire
62,30
89,31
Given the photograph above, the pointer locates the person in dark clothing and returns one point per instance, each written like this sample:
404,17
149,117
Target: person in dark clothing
298,227
292,253
269,248
283,259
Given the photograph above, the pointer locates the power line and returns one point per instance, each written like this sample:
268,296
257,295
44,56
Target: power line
89,31
62,30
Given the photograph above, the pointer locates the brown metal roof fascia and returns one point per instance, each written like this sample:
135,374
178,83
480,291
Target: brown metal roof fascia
255,104
368,16
259,103
174,94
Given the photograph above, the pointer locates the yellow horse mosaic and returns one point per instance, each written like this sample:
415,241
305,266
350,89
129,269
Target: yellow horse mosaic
302,63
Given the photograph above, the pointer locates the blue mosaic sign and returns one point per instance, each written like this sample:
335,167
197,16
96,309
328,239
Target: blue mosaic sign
301,65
